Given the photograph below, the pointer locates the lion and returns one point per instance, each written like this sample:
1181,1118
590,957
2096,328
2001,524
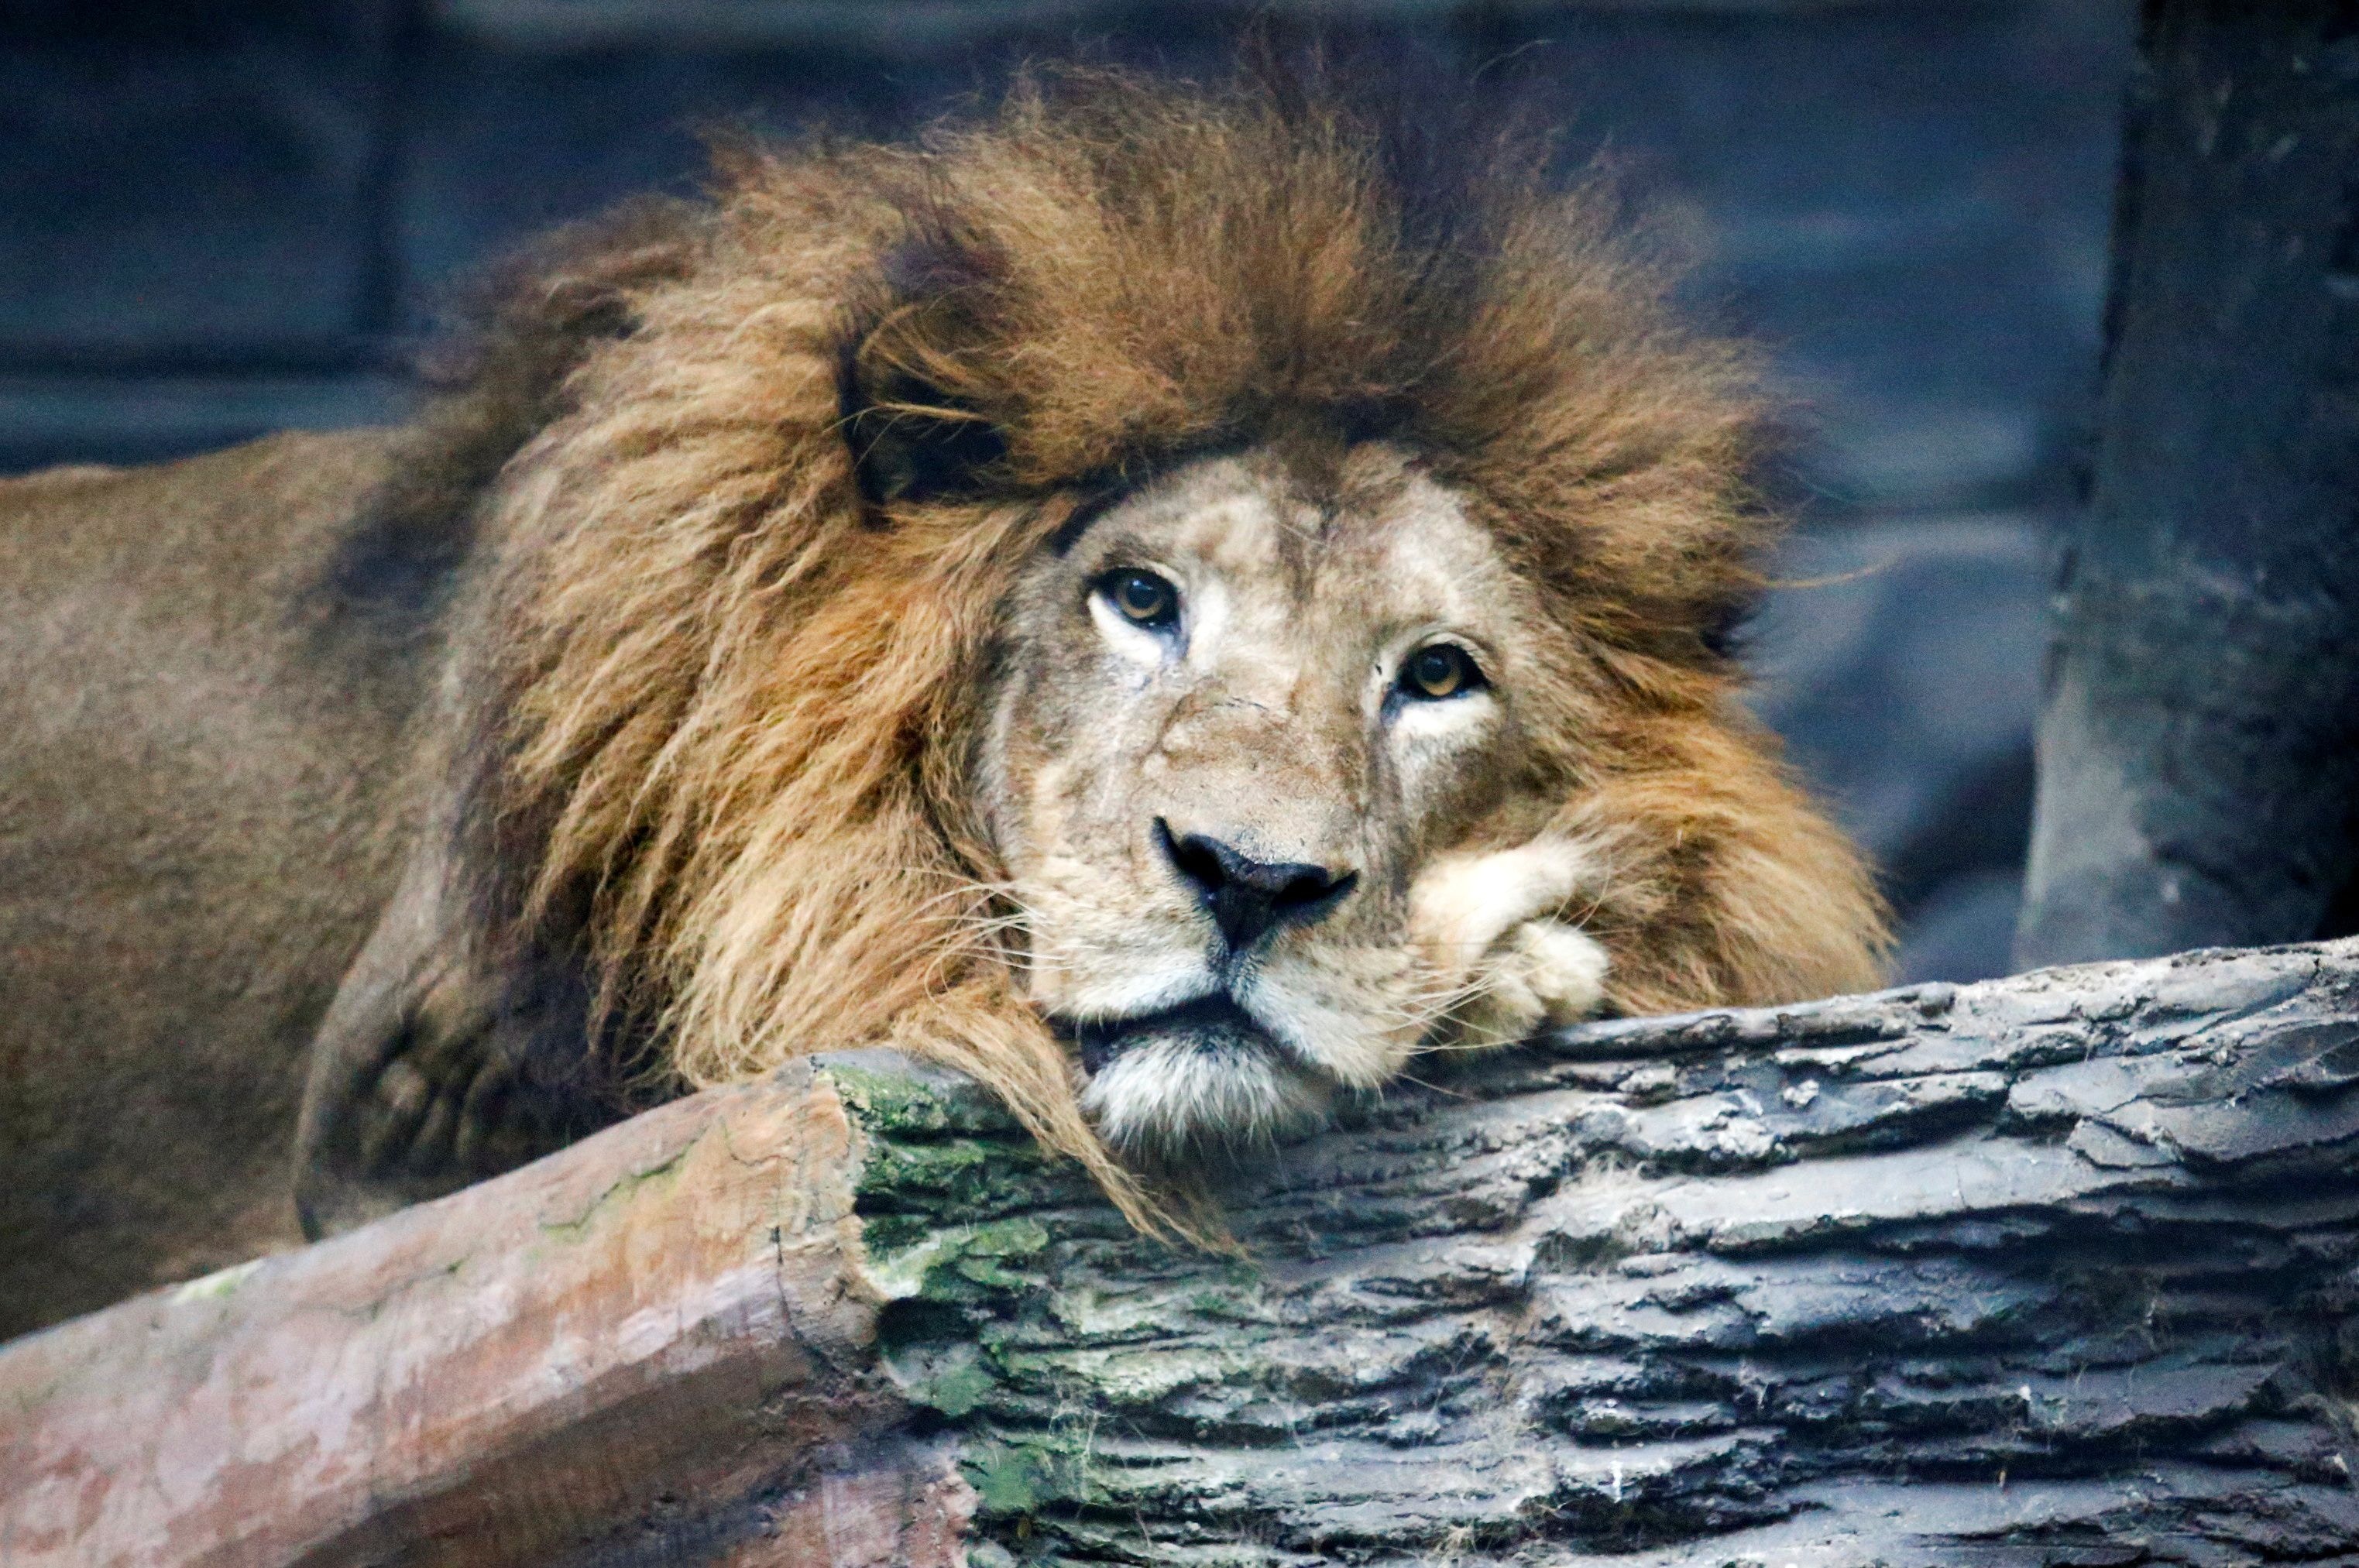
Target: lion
1173,601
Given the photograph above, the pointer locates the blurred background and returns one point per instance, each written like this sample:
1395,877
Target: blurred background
221,220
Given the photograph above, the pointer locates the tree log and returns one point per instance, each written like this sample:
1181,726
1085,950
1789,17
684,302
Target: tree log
643,1349
2055,1269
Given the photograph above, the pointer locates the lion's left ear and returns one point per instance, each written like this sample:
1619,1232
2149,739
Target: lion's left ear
912,441
917,430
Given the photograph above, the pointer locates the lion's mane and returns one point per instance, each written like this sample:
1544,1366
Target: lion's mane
717,694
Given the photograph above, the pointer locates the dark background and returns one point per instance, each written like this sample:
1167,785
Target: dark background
221,220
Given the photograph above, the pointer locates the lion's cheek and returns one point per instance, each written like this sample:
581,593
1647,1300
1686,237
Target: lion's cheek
1356,1015
1088,960
1052,887
1098,945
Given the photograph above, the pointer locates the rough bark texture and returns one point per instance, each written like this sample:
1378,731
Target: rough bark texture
2050,1269
2199,748
2054,1269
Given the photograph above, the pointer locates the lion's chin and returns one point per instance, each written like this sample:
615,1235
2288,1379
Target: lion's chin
1203,1079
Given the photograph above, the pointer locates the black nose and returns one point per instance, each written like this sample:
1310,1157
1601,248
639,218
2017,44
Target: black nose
1247,896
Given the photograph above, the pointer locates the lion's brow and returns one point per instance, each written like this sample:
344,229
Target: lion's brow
1116,482
1095,503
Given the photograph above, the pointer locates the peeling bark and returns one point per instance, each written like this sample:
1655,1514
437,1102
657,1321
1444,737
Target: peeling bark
650,1348
2047,1270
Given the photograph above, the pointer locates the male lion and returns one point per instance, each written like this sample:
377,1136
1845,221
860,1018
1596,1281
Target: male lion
1161,600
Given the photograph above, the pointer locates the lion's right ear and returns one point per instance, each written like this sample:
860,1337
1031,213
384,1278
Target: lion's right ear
917,432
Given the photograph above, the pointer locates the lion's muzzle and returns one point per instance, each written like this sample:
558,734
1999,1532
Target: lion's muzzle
1248,897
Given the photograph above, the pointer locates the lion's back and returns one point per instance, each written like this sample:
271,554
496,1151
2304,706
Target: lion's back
198,750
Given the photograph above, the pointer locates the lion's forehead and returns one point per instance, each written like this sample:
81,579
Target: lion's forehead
1380,544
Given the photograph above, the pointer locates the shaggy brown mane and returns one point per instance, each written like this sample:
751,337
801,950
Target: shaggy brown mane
765,468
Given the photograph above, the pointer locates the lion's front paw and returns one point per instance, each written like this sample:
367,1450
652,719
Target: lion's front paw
1488,924
1541,974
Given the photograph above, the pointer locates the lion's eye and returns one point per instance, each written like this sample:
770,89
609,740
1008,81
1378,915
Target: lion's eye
1141,598
1440,670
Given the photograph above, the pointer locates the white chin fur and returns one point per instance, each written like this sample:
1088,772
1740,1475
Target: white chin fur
1173,1094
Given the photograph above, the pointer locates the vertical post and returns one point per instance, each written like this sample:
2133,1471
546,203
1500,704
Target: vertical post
2199,747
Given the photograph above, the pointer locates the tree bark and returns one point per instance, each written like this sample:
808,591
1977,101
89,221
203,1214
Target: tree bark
644,1350
2050,1269
2199,744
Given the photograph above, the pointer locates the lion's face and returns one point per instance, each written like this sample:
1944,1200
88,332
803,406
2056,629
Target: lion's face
1251,727
1285,763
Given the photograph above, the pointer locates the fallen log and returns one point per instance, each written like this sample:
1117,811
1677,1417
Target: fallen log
629,1352
2058,1268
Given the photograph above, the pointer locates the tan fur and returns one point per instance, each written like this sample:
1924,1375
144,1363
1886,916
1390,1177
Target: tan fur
201,815
688,743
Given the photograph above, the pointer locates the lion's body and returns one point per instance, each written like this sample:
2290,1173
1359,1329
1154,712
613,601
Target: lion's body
730,665
196,778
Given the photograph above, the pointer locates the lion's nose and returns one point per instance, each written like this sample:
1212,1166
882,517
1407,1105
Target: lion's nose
1247,897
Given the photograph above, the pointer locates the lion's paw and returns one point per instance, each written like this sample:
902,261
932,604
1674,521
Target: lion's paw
1542,974
1488,925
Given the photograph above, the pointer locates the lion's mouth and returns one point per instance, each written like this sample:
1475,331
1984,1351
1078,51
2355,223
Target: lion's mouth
1212,1021
1201,1076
